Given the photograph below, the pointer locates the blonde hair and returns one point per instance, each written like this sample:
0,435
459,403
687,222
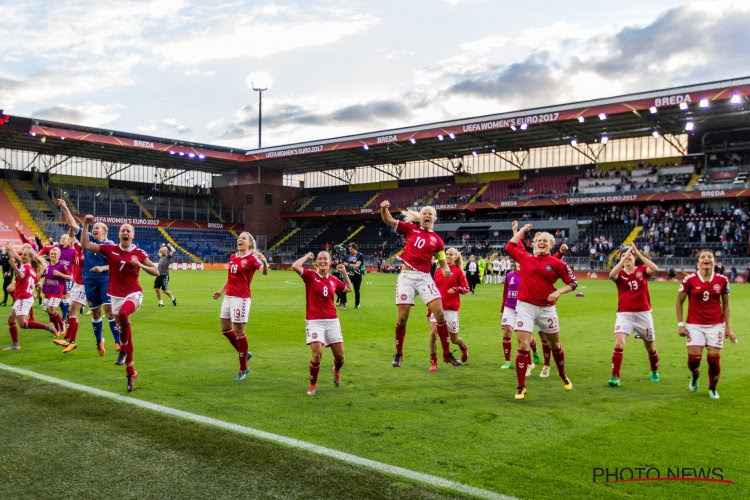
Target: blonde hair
253,245
37,262
544,234
459,261
413,215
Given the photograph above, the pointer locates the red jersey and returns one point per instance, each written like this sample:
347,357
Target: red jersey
451,301
240,273
539,273
25,286
123,274
704,298
632,291
420,246
77,264
319,292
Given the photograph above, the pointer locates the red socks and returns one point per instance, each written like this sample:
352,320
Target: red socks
694,362
72,329
546,351
506,348
559,356
13,333
314,369
714,370
126,336
445,337
242,350
433,358
616,362
231,337
522,361
33,325
653,359
337,365
400,334
533,344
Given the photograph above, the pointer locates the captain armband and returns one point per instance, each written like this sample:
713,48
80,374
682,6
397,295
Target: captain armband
441,255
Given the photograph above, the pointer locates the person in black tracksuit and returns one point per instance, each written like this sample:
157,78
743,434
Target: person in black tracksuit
355,268
7,275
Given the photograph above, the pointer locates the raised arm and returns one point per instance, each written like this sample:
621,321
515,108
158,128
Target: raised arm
72,223
618,267
263,261
520,234
171,250
85,243
651,267
385,214
297,266
342,269
14,260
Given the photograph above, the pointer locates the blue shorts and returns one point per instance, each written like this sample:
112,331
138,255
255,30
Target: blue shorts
96,292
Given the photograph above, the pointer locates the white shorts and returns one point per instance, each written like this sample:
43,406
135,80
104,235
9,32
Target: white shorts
705,335
52,301
325,331
117,302
411,283
509,317
642,323
78,294
23,306
544,317
451,320
236,309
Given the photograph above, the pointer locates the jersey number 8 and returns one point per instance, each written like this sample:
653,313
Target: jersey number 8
325,291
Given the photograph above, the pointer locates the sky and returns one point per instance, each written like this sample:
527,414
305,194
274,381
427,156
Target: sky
183,69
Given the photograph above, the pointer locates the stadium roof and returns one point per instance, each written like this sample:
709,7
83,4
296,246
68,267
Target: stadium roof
726,106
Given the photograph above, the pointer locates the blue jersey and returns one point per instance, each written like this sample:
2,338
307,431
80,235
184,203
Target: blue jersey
92,259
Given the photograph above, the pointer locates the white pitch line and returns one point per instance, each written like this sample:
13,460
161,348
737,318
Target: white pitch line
267,436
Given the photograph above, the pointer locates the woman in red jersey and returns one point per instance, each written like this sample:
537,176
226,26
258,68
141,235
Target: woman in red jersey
450,291
27,268
125,261
633,309
235,308
321,321
422,243
537,297
707,321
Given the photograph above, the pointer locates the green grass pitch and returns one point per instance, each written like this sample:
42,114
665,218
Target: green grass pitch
459,423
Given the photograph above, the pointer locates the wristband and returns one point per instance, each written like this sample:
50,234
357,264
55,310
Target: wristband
680,324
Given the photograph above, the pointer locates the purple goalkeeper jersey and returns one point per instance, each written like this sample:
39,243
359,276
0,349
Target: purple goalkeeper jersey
54,286
512,284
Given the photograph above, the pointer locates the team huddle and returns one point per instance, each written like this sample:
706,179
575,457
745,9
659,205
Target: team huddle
87,269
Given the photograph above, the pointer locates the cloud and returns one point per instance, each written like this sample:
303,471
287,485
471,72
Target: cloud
92,115
173,126
165,127
262,32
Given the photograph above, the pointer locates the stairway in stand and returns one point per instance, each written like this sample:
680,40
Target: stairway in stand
163,231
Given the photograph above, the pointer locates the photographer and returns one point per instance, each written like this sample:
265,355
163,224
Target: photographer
7,275
355,268
338,256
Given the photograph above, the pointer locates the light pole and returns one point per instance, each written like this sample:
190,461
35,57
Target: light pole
260,91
